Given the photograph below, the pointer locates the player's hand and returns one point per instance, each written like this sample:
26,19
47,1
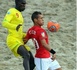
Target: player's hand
24,40
17,28
53,56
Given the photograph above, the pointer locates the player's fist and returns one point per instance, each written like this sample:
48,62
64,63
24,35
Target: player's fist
53,56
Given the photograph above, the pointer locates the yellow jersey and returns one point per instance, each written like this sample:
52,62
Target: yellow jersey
15,38
12,19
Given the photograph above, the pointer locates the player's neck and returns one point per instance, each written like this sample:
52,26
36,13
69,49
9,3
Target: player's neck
37,25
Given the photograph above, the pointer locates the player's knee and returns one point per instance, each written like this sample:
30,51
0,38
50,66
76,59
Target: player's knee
26,57
23,52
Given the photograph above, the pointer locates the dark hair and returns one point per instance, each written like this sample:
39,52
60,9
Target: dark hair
20,1
35,15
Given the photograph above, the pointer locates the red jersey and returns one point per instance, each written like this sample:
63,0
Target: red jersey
36,33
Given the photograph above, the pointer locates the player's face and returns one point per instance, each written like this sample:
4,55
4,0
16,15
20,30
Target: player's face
40,20
21,6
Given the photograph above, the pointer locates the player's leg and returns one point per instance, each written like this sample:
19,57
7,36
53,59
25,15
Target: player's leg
31,61
25,54
13,44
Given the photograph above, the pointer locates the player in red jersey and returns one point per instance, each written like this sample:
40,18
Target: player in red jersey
39,36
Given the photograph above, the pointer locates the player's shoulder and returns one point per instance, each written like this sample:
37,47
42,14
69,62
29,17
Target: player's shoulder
36,28
11,11
40,30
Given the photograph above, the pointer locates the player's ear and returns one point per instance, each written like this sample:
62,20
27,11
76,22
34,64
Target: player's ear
35,20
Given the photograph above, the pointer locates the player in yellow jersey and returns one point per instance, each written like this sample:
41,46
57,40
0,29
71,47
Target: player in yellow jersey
13,21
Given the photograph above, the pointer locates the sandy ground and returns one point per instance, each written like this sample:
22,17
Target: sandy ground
63,41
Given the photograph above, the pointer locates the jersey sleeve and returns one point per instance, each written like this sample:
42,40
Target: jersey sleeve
7,19
41,35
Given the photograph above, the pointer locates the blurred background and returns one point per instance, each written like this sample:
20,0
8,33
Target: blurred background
63,41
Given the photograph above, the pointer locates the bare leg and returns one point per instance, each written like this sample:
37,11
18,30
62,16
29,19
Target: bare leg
31,61
25,55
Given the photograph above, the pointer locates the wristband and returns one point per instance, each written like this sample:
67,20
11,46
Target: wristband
52,51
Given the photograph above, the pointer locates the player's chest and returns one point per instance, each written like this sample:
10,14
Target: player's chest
18,17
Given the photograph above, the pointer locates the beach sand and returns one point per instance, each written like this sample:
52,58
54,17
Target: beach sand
63,41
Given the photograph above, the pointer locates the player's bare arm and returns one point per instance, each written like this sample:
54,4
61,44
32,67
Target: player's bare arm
43,42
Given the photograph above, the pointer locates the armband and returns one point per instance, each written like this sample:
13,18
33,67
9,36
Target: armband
52,51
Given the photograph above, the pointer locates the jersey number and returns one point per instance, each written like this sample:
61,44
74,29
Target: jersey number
36,43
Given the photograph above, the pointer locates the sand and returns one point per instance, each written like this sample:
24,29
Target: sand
63,41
